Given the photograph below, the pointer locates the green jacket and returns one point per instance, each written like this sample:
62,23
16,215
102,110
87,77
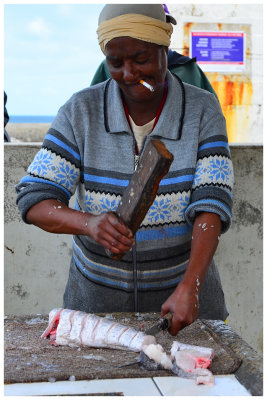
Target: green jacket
185,68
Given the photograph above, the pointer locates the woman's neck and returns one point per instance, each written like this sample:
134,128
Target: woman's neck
143,112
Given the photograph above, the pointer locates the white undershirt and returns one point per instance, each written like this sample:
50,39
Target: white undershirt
140,132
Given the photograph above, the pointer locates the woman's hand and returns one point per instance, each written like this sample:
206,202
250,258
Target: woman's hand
183,304
107,230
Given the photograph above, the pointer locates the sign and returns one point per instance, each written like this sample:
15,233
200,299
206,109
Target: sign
218,51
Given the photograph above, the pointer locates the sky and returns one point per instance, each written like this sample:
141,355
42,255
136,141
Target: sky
50,52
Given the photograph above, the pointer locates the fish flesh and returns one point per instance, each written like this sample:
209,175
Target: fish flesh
185,361
191,357
158,355
192,362
77,328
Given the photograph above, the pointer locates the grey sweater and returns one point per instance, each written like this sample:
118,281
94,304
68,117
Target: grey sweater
90,149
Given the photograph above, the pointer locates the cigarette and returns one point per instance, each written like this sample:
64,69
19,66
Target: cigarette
147,85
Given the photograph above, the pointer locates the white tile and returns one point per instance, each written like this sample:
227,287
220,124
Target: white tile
129,387
225,385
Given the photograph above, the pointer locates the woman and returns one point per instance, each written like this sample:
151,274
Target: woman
92,146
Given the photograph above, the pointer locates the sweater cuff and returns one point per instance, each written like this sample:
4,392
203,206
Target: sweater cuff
212,206
31,194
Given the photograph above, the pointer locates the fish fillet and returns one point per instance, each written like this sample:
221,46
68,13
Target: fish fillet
76,328
185,361
192,362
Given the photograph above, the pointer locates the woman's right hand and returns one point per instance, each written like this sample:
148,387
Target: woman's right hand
108,231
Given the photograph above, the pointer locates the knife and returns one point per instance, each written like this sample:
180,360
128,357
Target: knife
162,324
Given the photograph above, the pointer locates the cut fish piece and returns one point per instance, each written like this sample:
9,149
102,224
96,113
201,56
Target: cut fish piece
192,362
156,353
189,357
76,328
197,351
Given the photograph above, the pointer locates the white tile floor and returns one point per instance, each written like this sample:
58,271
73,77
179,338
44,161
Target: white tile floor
225,385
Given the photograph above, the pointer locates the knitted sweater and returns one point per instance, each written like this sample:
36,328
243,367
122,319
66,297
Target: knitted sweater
90,149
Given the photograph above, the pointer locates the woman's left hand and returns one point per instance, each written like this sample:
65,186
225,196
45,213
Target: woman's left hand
183,304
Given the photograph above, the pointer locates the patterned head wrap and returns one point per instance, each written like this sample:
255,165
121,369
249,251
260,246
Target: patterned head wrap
145,22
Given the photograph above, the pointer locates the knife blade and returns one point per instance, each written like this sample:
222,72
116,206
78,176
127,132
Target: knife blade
162,324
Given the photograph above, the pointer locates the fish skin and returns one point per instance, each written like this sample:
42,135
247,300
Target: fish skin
195,350
76,328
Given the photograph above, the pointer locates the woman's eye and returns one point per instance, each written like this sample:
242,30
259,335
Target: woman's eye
141,61
116,64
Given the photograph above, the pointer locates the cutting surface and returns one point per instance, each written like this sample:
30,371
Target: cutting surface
28,358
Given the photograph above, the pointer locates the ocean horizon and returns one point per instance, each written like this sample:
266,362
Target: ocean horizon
31,119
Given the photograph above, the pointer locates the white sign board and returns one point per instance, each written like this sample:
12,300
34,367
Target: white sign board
219,51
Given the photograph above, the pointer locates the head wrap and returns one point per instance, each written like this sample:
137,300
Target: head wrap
145,22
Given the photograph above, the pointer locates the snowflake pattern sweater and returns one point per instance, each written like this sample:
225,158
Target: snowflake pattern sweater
89,151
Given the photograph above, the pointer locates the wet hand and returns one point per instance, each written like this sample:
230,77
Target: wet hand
108,231
183,304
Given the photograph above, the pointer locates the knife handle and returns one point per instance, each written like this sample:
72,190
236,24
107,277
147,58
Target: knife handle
166,321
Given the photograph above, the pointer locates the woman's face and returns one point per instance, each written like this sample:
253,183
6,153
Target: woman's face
130,60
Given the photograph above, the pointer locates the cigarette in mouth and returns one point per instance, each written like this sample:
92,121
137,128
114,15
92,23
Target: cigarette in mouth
147,85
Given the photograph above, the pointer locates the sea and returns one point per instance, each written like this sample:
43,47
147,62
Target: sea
31,119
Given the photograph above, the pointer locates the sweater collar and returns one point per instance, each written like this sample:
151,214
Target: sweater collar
168,123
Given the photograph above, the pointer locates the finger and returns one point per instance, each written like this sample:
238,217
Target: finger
112,234
112,249
119,225
113,242
164,310
176,327
178,323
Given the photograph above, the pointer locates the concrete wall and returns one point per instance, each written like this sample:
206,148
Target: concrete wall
240,94
36,262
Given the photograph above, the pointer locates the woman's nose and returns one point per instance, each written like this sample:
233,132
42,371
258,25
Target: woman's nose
129,73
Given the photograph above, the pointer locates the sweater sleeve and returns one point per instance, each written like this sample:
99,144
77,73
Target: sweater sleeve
55,171
214,178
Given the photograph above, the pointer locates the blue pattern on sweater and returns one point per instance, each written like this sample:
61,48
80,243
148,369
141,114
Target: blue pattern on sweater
96,158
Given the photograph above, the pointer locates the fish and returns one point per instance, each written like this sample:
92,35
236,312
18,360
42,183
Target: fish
186,361
76,329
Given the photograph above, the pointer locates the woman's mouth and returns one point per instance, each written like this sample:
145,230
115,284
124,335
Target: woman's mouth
147,85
